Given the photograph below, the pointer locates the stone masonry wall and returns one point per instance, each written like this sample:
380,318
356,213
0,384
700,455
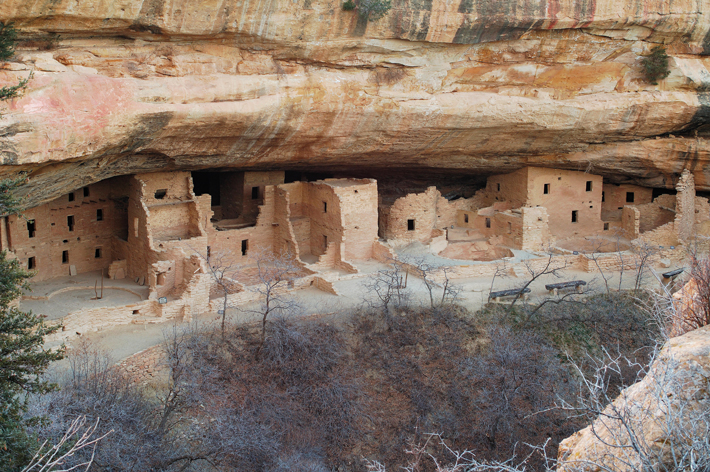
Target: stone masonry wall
685,206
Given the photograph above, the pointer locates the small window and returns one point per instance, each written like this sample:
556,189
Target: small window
160,193
546,189
99,215
589,185
31,228
498,187
71,197
488,222
410,225
606,226
629,197
65,257
70,222
325,207
591,206
559,178
86,191
97,253
602,197
255,193
574,216
245,246
325,242
31,264
465,217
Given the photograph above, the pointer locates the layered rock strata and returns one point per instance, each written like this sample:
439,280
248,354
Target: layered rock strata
474,87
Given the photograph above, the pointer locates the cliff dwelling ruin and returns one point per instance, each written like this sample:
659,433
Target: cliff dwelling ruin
149,237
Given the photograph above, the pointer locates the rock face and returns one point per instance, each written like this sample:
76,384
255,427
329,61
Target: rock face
665,413
473,87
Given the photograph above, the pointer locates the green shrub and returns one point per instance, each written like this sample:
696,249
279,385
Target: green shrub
8,36
369,9
655,65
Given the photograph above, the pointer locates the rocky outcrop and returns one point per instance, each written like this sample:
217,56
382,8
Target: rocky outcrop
659,423
475,87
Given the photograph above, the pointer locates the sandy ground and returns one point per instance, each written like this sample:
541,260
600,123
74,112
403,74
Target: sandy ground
58,297
124,341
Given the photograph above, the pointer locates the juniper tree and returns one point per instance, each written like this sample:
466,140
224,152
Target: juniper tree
23,358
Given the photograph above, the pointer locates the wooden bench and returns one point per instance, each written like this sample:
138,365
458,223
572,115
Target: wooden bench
576,284
672,274
509,293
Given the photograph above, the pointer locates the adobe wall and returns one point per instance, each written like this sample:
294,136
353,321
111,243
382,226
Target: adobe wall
508,229
52,235
653,215
685,206
358,211
420,207
615,197
511,187
260,238
322,206
631,222
535,229
567,193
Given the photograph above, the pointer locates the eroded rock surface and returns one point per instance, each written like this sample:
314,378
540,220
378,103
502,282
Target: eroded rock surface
662,414
474,87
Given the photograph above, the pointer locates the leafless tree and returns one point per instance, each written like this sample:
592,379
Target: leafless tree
696,309
551,267
78,436
642,257
223,272
665,429
275,274
426,272
388,287
449,460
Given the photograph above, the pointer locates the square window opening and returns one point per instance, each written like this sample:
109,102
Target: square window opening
488,222
255,193
99,215
589,185
97,253
606,226
31,228
546,189
70,222
245,247
31,263
629,197
86,191
71,197
574,216
465,217
160,193
65,257
410,225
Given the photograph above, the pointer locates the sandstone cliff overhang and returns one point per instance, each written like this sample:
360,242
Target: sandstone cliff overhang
475,87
